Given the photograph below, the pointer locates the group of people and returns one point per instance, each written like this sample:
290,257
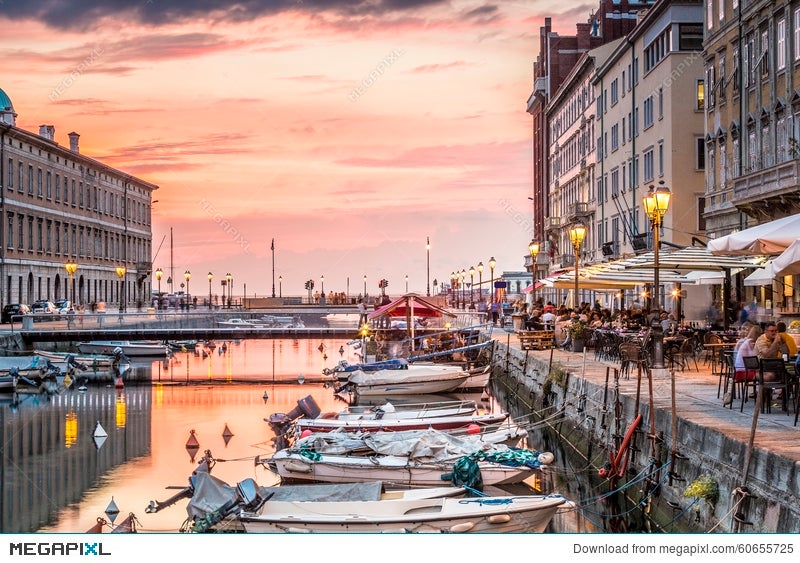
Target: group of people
773,342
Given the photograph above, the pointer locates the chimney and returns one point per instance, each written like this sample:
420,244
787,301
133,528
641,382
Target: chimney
47,131
73,141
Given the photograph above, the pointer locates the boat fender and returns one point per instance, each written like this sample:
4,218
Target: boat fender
499,518
463,527
295,530
546,458
298,467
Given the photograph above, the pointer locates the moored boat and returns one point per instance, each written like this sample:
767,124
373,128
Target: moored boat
128,348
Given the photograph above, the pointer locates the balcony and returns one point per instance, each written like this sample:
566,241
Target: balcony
768,193
552,223
579,210
144,267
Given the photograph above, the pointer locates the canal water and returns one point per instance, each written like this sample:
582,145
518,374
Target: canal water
58,476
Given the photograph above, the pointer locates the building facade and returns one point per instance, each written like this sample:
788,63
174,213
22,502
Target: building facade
59,207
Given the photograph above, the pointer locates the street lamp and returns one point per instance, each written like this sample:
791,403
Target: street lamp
428,265
577,233
461,276
656,203
471,287
210,277
121,273
229,278
480,281
533,248
492,264
187,275
280,287
159,274
71,268
406,283
322,283
453,289
365,286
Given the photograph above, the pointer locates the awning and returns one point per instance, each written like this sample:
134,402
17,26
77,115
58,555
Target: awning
409,305
768,238
762,276
789,261
693,258
530,288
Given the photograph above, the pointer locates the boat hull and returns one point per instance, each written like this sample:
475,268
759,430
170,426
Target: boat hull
130,349
485,422
530,514
389,469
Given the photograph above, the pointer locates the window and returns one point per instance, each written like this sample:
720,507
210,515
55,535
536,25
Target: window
690,37
721,10
764,54
49,185
10,174
710,13
709,86
720,87
710,171
20,177
39,191
660,103
30,234
797,34
30,180
649,165
10,231
20,231
661,158
780,48
700,154
766,145
614,137
614,91
58,188
701,209
752,149
723,166
615,182
648,112
700,97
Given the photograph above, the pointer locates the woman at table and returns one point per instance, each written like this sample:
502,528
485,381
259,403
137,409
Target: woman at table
745,347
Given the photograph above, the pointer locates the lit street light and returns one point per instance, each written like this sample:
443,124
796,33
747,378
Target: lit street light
71,268
577,233
471,287
280,286
533,248
210,277
121,273
428,265
492,264
656,203
159,274
187,276
229,278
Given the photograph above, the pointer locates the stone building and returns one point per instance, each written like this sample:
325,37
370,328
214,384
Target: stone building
61,207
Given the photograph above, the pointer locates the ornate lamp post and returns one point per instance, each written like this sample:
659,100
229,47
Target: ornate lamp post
71,268
210,277
121,273
365,286
187,276
577,233
428,264
461,276
159,274
471,287
322,283
280,287
480,281
533,248
492,264
229,278
406,278
656,203
453,289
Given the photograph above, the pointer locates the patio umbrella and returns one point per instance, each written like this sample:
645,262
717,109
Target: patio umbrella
768,238
789,261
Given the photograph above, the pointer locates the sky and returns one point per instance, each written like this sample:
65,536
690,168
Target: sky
347,131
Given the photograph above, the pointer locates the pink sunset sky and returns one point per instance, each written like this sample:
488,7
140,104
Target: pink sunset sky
347,131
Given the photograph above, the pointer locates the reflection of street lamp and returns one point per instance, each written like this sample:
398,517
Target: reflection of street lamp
210,277
187,275
159,274
533,248
492,264
121,273
480,281
577,233
229,278
428,264
656,203
71,268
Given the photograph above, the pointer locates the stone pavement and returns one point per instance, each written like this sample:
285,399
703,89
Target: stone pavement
696,398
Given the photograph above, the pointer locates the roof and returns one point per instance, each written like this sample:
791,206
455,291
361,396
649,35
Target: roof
5,101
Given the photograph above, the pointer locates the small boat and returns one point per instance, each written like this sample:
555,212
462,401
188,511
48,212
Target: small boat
281,321
399,377
128,348
354,507
239,323
181,345
89,360
478,379
413,458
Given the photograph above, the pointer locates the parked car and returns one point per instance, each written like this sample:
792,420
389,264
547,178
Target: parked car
43,309
62,306
13,309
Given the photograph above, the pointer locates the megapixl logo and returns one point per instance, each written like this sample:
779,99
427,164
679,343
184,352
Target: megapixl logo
55,548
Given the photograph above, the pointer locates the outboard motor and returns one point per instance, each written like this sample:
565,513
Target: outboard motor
249,494
305,407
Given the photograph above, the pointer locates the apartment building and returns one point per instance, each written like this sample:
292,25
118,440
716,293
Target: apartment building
60,206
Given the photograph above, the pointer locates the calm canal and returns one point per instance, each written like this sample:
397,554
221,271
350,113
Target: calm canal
57,477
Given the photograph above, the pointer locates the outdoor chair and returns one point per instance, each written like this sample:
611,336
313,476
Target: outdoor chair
781,383
750,377
727,375
631,357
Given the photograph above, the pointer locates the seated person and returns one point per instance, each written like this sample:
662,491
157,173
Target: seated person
745,347
787,338
771,345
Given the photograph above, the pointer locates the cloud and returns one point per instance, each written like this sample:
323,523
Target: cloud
87,14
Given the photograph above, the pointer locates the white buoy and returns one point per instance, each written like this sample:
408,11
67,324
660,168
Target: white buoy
546,458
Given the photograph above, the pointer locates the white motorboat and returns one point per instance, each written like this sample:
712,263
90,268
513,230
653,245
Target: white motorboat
129,348
239,323
531,513
488,421
478,379
411,379
412,458
88,360
355,507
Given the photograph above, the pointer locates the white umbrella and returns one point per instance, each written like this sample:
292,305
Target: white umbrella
768,238
789,261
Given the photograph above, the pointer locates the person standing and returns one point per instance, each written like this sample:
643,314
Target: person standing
362,313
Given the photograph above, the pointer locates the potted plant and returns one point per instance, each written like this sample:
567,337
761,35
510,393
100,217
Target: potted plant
794,327
576,331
